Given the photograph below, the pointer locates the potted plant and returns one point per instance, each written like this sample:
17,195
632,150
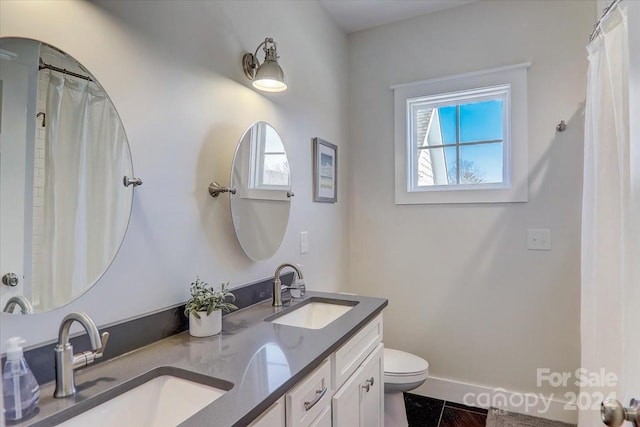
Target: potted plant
205,308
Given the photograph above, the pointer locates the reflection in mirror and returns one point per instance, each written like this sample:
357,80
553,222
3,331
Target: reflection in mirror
267,370
260,207
64,209
269,165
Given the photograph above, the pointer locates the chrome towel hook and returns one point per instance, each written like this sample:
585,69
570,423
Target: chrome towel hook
562,126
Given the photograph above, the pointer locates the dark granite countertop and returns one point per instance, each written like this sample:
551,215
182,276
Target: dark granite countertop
261,361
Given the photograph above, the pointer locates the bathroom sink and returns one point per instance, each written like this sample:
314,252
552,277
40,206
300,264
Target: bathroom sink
166,397
314,313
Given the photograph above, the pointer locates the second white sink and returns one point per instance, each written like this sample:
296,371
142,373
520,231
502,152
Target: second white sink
313,315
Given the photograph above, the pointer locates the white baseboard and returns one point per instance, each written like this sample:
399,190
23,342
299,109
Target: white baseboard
534,404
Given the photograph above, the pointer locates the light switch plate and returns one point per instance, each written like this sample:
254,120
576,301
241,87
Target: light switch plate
539,239
304,242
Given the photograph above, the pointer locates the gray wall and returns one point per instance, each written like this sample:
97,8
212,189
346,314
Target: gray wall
464,292
173,72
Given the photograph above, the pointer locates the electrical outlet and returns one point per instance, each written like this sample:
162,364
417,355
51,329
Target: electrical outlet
539,239
304,242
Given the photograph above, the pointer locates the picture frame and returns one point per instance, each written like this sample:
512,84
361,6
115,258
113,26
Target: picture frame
325,171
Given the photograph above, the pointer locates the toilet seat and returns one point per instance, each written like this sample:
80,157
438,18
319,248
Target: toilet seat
402,364
401,367
405,379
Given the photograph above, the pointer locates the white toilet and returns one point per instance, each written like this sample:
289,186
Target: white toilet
402,372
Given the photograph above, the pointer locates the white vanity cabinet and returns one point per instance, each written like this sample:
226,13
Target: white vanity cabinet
346,390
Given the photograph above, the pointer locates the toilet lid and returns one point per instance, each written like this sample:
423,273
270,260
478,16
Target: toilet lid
398,362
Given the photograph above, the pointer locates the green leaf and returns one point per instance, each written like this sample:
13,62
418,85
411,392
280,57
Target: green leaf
205,298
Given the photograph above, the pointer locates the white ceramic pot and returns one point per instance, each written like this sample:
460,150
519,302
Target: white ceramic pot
205,326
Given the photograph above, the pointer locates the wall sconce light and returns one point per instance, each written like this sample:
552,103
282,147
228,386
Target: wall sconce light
268,76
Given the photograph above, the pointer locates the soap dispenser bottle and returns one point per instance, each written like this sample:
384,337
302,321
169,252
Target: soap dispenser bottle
20,390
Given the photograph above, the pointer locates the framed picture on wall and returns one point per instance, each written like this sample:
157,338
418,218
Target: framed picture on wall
325,171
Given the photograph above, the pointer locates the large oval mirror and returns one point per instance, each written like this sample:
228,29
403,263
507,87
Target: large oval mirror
64,209
260,207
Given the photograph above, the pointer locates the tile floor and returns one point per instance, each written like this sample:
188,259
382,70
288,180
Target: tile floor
428,412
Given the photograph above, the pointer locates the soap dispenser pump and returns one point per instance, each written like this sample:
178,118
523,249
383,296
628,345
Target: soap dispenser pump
20,390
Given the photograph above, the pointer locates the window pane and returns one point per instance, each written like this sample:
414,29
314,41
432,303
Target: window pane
481,121
431,167
451,156
426,124
272,142
421,124
276,170
481,163
448,124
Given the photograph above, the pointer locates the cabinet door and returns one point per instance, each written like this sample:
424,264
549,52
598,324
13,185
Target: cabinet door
346,402
360,401
372,389
272,417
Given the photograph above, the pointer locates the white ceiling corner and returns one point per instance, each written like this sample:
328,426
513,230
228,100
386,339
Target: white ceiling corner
356,15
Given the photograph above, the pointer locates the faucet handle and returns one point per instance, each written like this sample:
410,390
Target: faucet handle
298,289
85,358
105,338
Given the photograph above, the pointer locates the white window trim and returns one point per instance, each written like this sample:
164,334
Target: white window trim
515,187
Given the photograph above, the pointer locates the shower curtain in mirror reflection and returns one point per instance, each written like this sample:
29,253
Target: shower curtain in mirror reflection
610,314
84,140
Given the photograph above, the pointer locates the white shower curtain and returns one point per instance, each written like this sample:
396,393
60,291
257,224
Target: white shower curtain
86,158
610,315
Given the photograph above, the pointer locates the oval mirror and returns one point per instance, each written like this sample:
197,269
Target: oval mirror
63,205
260,208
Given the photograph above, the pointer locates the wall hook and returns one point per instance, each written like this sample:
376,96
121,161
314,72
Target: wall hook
562,126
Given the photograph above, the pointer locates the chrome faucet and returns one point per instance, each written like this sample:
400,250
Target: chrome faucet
277,284
20,301
66,361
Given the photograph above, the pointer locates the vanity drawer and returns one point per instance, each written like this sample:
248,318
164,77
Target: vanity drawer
347,358
309,397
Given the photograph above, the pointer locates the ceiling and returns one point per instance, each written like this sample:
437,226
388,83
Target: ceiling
356,15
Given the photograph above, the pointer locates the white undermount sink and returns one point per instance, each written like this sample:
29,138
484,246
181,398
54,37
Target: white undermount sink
314,314
162,401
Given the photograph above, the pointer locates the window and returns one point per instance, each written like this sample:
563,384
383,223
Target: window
462,139
269,164
459,138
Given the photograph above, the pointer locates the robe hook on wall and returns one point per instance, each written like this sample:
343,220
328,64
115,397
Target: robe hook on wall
562,126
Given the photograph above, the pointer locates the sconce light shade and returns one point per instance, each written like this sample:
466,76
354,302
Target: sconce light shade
268,76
